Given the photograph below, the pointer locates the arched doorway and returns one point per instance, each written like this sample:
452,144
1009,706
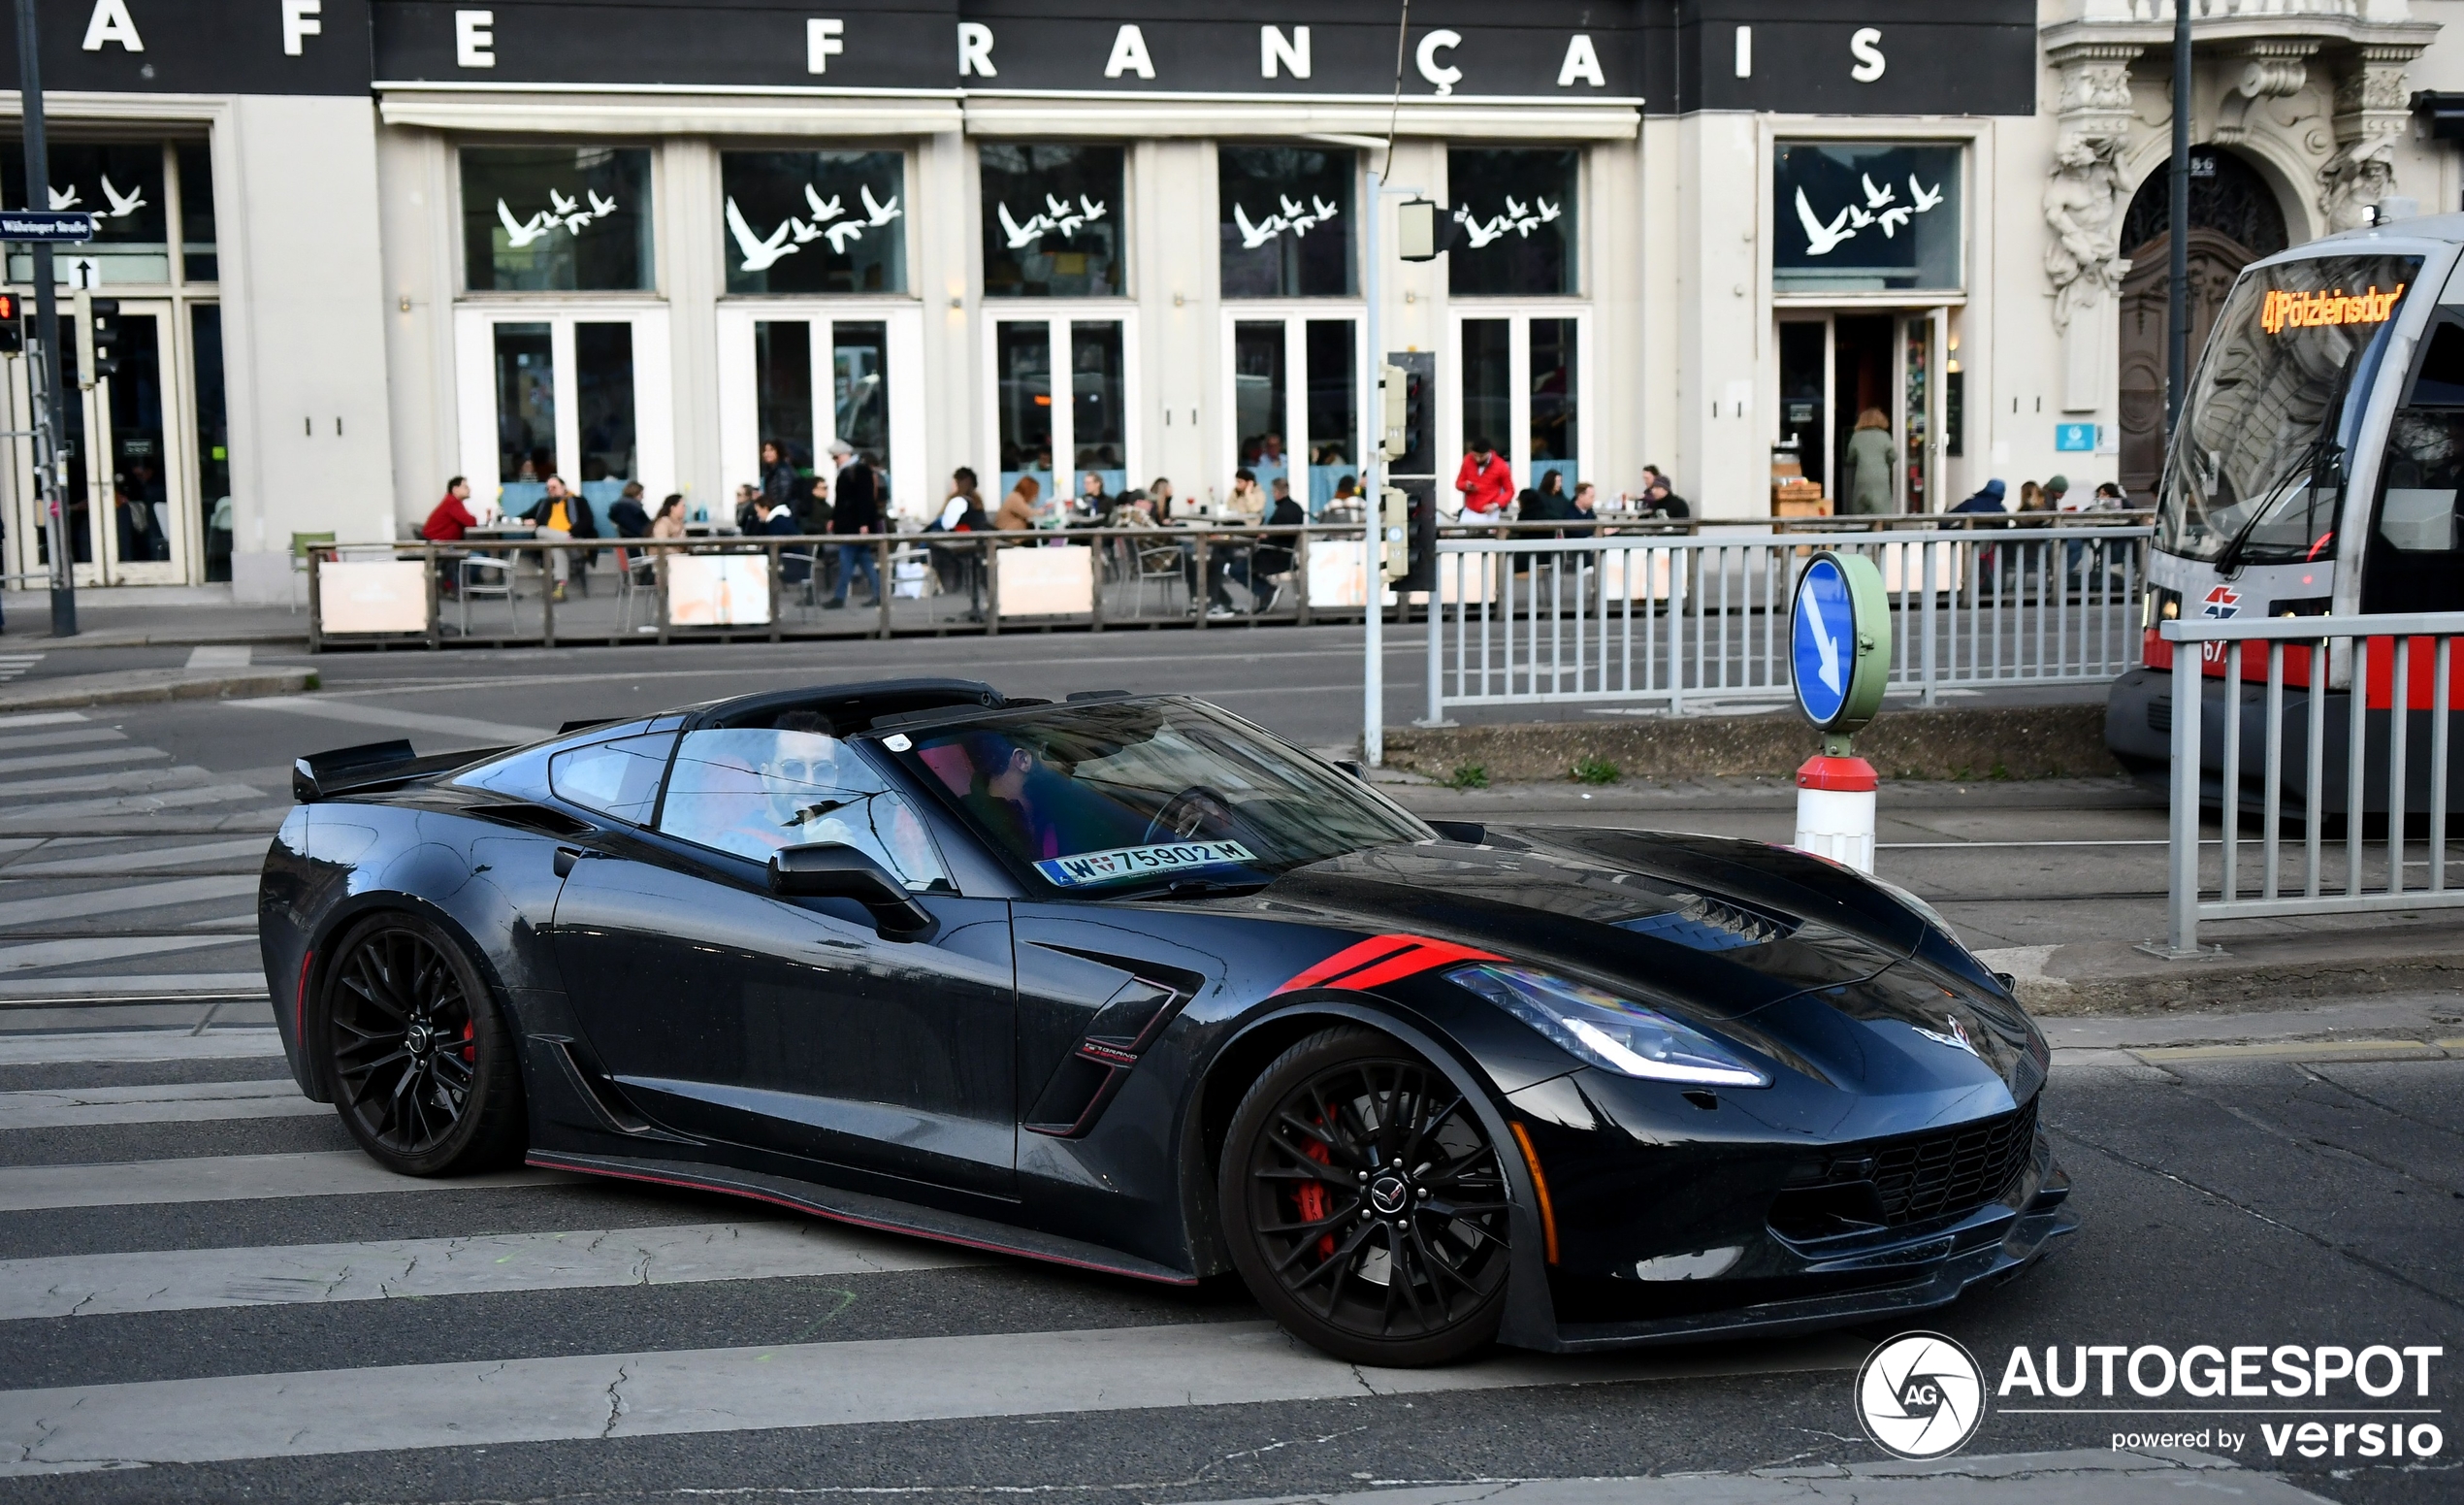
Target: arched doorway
2234,220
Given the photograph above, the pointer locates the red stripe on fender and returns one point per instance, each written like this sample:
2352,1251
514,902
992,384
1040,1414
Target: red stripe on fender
1376,948
1384,959
1429,954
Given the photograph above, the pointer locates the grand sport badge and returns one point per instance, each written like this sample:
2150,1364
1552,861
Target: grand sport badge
1920,1395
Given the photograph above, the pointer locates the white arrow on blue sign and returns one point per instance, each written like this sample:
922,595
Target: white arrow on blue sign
1823,641
58,225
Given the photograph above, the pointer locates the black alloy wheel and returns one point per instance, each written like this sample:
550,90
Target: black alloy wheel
1365,1204
420,1061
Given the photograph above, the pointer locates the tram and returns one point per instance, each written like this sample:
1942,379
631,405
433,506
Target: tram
2316,471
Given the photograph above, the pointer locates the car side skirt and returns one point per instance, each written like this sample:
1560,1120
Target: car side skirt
865,1211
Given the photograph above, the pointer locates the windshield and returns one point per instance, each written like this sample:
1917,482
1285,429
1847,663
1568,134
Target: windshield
2259,465
1126,796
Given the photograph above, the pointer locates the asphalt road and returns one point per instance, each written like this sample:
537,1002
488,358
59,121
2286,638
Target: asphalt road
199,1274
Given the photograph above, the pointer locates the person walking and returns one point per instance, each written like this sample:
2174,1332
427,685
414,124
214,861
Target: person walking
1866,484
855,515
1486,480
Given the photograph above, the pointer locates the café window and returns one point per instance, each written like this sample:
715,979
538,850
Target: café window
120,184
1514,222
1865,217
814,221
199,262
556,218
1053,222
1284,221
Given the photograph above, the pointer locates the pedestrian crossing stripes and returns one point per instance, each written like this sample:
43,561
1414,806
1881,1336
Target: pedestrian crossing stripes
85,1107
14,664
130,1047
181,1280
218,1178
600,1396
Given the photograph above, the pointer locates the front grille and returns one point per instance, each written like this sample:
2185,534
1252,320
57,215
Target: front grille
1948,1174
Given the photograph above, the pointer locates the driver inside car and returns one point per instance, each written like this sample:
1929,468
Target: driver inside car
756,790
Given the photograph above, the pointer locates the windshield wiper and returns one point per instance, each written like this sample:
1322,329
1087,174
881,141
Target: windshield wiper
1196,887
2311,461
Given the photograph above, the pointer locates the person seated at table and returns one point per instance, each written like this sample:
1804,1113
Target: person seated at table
1272,561
626,513
451,518
561,516
1017,509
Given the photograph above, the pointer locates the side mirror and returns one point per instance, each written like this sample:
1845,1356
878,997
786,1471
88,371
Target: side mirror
833,869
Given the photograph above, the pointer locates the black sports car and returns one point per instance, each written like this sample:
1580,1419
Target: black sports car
1125,982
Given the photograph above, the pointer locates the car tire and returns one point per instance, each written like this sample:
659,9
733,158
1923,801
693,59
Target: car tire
1365,1204
417,1052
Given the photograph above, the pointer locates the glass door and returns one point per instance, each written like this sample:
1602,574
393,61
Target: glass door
138,505
583,395
1058,432
1519,383
801,377
1297,393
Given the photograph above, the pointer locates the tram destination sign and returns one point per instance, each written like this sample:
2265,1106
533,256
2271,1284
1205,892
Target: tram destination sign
55,225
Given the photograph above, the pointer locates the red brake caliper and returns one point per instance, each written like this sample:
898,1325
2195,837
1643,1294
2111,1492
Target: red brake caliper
469,1050
1313,1198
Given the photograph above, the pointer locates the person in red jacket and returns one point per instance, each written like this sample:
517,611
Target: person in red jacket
1486,481
447,524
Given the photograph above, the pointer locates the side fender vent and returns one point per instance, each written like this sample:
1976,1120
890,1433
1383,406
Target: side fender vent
1092,1075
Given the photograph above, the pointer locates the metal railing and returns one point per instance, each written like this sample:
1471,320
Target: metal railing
2239,723
1673,618
502,590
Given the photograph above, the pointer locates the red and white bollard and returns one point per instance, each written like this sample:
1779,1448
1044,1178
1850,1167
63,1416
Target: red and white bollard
1834,808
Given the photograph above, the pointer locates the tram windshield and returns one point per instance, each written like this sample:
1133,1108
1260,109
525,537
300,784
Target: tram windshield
2257,473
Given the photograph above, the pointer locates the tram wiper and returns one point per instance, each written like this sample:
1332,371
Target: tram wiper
2314,458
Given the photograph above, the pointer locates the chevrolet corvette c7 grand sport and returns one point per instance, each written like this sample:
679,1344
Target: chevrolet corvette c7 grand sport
1125,982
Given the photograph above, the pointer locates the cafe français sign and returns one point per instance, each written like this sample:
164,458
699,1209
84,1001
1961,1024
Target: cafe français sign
1978,59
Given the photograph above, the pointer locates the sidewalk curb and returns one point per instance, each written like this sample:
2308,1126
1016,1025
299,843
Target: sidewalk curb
2108,977
136,686
180,637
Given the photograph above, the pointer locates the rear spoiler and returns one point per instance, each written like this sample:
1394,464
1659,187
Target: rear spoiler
371,765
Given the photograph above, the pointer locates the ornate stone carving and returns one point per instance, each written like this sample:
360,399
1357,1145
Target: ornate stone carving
2083,198
2371,115
2270,69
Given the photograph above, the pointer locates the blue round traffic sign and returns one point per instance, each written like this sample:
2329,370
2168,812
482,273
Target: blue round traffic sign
1823,641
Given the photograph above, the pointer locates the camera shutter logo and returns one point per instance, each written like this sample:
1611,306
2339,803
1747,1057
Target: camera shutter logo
1920,1395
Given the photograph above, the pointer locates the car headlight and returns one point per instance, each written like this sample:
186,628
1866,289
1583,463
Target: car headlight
1608,1031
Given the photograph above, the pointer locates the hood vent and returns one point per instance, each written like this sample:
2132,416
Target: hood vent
1709,924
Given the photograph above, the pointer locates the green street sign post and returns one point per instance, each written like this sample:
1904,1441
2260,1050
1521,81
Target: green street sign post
1839,658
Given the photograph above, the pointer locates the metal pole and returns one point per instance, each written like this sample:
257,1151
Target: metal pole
2177,352
2182,902
49,463
1372,644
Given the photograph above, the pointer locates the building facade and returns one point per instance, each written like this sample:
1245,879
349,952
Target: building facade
359,246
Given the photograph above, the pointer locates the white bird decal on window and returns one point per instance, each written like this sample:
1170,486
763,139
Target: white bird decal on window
1326,210
1061,216
1925,200
759,253
560,205
820,211
1875,197
64,198
602,208
804,233
1094,210
1291,210
1548,210
127,203
841,233
1252,235
1894,217
1820,238
881,213
521,233
1025,234
1858,219
1481,234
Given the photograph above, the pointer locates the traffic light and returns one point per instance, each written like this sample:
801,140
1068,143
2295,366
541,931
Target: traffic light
1394,532
107,331
11,325
1391,389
